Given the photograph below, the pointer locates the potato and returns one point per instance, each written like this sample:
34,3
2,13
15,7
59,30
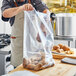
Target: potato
56,47
42,55
35,58
31,66
35,62
32,60
38,66
25,62
45,66
42,62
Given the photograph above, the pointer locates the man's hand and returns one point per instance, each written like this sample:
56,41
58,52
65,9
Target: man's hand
10,12
44,32
27,7
38,37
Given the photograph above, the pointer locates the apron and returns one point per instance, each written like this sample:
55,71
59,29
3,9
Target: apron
17,43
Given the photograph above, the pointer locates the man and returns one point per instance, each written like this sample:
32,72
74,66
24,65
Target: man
12,11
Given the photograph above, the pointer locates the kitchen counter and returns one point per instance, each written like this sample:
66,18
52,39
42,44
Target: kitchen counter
59,69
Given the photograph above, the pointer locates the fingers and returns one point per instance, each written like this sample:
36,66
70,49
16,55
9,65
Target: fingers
38,38
28,7
31,7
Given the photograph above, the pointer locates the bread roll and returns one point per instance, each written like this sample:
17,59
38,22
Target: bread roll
65,48
56,47
60,45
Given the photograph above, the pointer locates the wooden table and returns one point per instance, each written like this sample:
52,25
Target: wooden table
60,69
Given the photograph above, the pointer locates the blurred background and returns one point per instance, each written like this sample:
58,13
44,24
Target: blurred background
61,6
4,26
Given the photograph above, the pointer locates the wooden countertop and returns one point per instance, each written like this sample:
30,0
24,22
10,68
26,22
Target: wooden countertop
60,69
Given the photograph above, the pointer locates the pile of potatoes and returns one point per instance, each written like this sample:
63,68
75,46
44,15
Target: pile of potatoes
62,48
35,63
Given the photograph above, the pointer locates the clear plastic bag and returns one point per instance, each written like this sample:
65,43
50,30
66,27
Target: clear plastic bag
38,41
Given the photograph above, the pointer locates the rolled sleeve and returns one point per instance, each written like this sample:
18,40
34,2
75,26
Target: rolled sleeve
40,6
5,5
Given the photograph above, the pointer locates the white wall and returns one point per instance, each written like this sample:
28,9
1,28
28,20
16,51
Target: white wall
4,26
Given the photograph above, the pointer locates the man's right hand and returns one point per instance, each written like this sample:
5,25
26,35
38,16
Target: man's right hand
27,7
10,12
